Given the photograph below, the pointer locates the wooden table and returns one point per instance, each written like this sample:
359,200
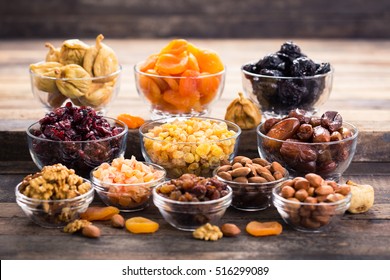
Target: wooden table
360,93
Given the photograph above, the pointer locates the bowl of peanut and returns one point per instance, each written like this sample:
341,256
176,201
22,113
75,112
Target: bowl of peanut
310,203
252,181
195,145
54,196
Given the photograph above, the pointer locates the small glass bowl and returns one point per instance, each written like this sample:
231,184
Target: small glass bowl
171,96
53,213
277,96
127,197
252,196
102,91
188,216
310,217
327,159
82,156
172,155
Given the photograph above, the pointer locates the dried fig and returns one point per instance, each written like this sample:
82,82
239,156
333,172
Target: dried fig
76,83
53,54
72,52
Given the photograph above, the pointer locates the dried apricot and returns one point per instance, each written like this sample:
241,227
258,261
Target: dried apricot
96,213
141,225
176,46
150,89
264,229
209,61
208,88
131,121
149,63
171,64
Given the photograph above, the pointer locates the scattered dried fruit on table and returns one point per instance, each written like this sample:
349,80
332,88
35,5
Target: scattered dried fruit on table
96,213
230,230
264,228
243,112
132,122
117,221
91,231
76,225
141,225
208,232
362,197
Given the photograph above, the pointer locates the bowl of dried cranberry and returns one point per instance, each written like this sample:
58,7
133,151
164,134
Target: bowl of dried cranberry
285,80
189,201
77,137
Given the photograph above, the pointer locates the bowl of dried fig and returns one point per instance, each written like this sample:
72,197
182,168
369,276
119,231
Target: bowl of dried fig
304,143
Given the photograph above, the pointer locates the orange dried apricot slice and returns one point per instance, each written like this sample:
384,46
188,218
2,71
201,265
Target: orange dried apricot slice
192,63
131,121
209,61
264,229
141,225
149,63
208,88
171,64
188,84
95,213
176,46
150,89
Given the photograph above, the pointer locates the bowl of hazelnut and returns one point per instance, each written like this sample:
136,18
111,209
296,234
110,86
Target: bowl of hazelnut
310,203
194,145
126,183
54,196
189,201
304,143
252,181
285,80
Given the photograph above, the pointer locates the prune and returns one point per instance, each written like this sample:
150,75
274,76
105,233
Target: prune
271,62
302,67
271,72
291,50
290,94
322,68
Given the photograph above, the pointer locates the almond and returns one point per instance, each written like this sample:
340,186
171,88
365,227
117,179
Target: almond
117,221
230,230
91,231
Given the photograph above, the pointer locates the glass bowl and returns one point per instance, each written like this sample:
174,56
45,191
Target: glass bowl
184,153
82,156
310,217
127,197
327,159
189,216
252,196
170,96
276,96
101,90
53,213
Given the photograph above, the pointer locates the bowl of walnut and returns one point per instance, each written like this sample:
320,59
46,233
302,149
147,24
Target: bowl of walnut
303,143
189,201
54,197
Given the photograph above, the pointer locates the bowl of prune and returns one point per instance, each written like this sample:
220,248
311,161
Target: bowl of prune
286,80
77,137
252,181
189,201
304,143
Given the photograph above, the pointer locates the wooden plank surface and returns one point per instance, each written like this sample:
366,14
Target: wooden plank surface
363,236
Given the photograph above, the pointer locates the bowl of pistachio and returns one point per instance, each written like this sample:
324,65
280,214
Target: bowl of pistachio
87,75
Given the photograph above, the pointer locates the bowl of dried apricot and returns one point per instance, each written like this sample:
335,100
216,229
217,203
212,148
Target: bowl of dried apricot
189,144
180,80
126,183
252,181
189,201
54,196
311,203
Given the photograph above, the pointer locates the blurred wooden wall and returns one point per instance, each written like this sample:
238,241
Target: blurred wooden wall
195,18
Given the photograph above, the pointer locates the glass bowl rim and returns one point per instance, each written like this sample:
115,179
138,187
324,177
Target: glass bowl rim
23,198
279,198
330,73
138,71
266,184
171,119
123,133
353,137
98,183
117,72
165,200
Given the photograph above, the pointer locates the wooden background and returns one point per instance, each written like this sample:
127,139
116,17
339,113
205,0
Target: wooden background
195,18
